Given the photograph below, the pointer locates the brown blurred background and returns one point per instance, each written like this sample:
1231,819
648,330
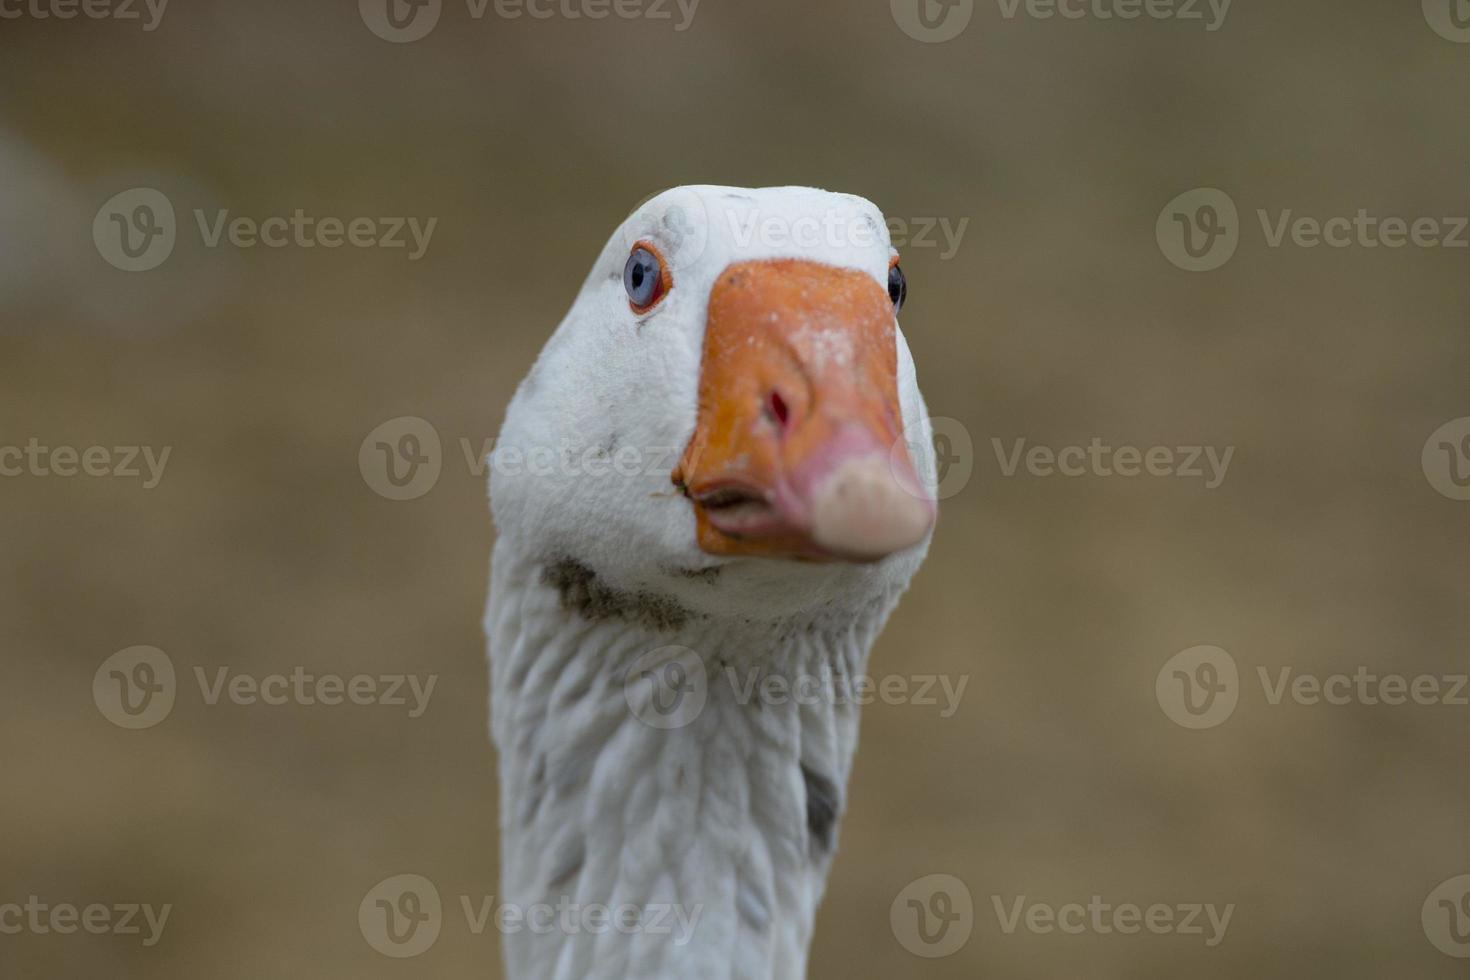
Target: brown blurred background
1057,320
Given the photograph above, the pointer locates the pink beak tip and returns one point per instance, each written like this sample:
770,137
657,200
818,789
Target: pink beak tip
863,509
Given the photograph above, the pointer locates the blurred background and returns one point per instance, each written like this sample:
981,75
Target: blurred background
1060,317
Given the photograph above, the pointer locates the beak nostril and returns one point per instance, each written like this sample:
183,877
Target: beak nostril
777,409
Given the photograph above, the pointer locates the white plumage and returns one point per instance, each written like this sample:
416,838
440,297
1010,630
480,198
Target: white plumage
723,825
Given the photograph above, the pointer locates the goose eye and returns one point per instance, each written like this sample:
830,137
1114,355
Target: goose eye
898,286
645,279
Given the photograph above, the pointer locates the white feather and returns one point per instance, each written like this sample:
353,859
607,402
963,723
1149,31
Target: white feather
599,808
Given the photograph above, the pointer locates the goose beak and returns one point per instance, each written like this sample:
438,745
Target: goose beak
797,450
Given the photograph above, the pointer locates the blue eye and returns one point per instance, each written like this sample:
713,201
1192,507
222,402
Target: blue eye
645,279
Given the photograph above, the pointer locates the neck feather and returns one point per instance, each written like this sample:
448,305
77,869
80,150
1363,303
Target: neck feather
715,822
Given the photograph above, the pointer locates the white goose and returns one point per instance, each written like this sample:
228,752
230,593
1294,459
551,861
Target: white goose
706,467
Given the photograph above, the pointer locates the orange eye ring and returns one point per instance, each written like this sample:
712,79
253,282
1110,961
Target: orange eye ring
646,277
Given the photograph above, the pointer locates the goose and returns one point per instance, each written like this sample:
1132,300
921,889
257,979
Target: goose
712,486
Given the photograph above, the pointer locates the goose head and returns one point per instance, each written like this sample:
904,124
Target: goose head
729,415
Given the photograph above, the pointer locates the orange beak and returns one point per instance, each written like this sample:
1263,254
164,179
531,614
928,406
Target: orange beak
797,448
